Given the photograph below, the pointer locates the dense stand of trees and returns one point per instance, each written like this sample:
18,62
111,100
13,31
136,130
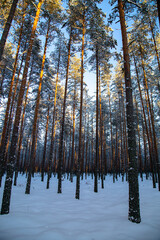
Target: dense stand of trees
49,123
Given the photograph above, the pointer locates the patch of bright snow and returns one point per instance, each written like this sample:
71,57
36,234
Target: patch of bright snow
46,215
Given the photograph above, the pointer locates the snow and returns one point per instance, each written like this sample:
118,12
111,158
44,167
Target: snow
46,215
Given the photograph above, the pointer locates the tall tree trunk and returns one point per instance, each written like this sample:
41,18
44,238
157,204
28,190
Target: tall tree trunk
87,143
73,132
60,160
10,165
77,196
125,143
146,168
83,143
97,115
139,142
134,208
111,132
7,27
45,145
34,131
92,148
105,165
101,169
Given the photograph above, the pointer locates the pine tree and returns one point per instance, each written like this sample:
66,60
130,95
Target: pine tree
134,210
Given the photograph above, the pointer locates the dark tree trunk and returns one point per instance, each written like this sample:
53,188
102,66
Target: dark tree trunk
7,27
81,109
97,115
45,146
73,132
134,208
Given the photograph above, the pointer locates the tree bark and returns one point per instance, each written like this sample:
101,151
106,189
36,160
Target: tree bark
45,145
73,132
7,27
97,115
134,208
77,196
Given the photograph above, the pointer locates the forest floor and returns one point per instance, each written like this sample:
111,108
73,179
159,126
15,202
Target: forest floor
46,215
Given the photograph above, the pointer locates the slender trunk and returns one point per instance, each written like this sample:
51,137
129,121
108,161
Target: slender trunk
69,154
83,141
105,165
146,167
97,115
101,137
111,132
73,132
125,143
87,142
134,208
45,145
7,27
139,142
60,160
92,148
121,137
77,196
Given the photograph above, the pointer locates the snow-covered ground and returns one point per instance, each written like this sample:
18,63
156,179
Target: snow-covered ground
46,215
